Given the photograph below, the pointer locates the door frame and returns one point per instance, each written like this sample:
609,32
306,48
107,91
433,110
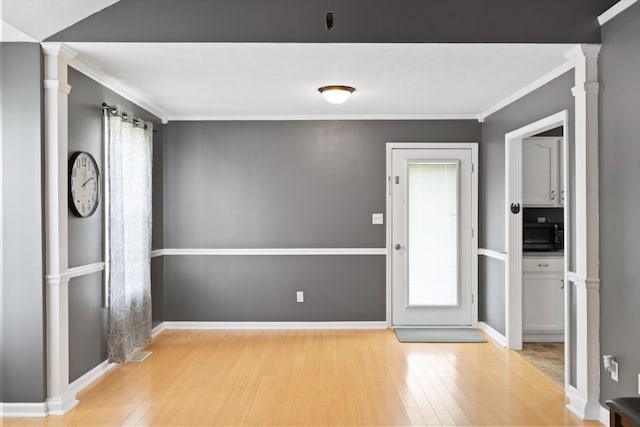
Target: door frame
513,230
473,146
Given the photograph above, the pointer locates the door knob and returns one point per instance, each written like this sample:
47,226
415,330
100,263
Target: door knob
397,246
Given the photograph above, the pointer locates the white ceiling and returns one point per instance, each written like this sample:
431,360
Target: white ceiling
40,19
180,81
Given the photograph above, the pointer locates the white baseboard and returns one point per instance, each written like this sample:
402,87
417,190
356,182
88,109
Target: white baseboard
495,335
604,415
24,410
542,337
158,329
584,410
85,380
275,325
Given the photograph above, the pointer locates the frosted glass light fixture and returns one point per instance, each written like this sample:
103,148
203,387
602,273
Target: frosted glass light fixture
336,94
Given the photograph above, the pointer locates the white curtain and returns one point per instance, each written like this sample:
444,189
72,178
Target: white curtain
128,197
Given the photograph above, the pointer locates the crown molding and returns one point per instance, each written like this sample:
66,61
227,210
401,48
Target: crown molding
85,69
615,10
59,49
287,117
551,75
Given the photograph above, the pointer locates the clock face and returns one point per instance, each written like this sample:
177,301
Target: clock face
84,184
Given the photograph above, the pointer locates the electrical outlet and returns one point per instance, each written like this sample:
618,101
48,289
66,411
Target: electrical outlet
300,296
614,371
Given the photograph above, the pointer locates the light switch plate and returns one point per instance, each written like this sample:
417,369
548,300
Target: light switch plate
300,296
377,218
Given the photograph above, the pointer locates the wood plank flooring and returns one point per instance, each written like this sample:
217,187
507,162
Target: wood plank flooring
317,378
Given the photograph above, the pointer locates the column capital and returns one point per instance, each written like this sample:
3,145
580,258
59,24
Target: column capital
588,51
58,49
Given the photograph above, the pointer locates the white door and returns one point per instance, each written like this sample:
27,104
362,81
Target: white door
433,217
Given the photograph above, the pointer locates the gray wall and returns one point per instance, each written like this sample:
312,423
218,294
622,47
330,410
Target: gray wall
292,184
552,98
620,200
357,21
22,373
87,317
491,297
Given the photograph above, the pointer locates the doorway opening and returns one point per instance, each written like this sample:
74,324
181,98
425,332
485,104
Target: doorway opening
538,161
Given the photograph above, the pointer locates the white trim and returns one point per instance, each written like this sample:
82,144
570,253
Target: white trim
502,256
551,75
572,277
574,404
273,325
87,379
473,146
60,399
83,270
513,223
614,11
580,407
270,251
587,229
605,415
542,337
158,329
495,335
104,81
389,233
280,117
24,410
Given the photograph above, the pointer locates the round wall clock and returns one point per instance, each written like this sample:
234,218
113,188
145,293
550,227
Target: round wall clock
84,184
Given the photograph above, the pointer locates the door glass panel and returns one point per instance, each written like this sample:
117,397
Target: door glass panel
433,233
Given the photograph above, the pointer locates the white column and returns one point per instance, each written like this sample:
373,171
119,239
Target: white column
584,399
60,399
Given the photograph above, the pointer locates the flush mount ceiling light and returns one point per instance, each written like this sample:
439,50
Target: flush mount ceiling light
336,94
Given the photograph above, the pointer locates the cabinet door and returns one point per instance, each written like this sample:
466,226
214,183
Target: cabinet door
540,171
560,199
543,303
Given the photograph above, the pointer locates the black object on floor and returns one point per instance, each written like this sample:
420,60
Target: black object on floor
624,412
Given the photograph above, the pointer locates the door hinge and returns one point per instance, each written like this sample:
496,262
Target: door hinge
473,233
473,167
472,298
397,179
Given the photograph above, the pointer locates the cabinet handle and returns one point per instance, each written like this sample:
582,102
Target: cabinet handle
543,265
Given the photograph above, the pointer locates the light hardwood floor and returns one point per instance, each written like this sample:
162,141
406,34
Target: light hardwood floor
317,378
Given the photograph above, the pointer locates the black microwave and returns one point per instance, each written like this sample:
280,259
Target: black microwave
543,237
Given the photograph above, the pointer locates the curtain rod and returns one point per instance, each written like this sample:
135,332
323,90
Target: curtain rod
114,110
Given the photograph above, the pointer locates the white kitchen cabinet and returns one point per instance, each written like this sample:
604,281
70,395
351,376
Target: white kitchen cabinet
543,299
542,172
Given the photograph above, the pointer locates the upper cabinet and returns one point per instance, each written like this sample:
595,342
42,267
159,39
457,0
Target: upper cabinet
542,171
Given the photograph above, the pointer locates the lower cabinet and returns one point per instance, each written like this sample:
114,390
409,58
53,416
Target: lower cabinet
543,299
